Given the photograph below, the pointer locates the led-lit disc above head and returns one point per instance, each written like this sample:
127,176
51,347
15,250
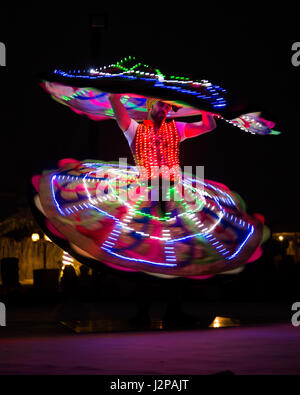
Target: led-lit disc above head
86,90
86,93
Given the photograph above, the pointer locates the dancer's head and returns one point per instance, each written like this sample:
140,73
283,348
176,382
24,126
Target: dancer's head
157,109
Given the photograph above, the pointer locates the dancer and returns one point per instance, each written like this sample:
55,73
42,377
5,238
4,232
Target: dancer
104,213
156,118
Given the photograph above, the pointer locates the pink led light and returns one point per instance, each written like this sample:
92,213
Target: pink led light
36,182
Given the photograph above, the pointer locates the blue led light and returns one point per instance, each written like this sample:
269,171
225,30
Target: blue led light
209,89
53,196
138,260
219,247
242,244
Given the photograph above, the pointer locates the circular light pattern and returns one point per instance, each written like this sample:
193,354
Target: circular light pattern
107,211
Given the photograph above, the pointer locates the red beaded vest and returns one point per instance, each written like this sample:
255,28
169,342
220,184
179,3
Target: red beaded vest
157,153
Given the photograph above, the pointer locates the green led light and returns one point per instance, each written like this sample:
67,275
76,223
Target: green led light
275,132
109,113
153,216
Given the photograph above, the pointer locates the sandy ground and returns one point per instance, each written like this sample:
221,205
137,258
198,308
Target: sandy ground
35,342
271,349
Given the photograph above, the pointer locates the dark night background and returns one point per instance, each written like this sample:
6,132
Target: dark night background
247,50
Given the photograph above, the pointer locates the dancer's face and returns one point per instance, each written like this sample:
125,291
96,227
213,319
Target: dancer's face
160,110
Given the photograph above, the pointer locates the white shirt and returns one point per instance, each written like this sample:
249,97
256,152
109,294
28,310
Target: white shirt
131,131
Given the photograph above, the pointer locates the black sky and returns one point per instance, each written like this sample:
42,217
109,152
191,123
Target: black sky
246,50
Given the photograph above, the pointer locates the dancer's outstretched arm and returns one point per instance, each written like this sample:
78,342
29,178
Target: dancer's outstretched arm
120,111
206,125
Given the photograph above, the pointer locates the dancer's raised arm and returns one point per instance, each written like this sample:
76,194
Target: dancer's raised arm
120,111
206,125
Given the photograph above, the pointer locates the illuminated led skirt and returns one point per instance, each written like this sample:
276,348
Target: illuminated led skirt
106,213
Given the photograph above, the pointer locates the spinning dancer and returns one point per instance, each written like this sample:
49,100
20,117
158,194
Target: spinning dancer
107,215
156,119
161,134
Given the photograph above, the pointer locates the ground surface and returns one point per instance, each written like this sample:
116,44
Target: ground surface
35,341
